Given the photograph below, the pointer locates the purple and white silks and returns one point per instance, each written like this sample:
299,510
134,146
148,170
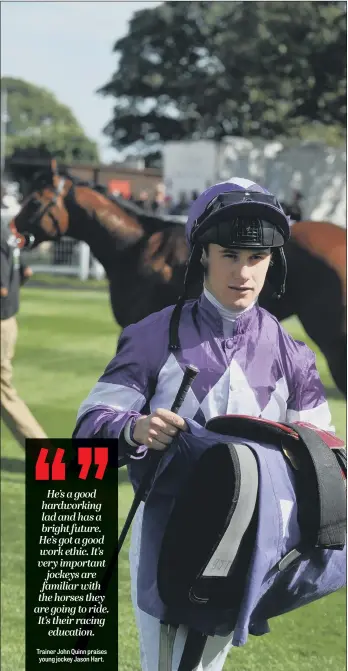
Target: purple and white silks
259,371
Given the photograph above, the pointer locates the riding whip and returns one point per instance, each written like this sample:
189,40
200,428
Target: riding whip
189,375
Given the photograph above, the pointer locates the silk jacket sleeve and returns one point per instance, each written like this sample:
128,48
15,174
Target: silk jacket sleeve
121,392
307,401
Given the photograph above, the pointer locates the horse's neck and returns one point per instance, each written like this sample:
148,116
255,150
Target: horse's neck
86,228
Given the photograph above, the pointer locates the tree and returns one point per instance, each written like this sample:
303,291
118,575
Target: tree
38,125
208,69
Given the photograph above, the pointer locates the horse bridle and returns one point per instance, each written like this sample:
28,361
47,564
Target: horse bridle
46,209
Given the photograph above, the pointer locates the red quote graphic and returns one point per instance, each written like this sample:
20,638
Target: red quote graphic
86,456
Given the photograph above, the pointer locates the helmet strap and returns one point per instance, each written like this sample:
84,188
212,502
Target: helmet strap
193,267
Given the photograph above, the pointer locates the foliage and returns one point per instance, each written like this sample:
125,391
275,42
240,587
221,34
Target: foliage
208,69
38,125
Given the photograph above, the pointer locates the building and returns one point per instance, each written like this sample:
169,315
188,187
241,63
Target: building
117,176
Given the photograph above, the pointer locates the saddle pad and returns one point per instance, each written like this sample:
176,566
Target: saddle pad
210,534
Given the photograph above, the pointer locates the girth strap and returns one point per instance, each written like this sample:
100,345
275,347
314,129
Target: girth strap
192,653
193,650
226,551
321,492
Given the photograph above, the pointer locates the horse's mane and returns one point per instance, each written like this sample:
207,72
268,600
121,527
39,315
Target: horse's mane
169,230
158,222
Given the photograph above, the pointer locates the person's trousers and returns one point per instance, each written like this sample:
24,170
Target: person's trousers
14,412
216,648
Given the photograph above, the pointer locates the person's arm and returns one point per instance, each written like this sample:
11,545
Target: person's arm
120,393
25,271
114,407
307,401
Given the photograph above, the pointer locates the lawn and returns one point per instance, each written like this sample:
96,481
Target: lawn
66,338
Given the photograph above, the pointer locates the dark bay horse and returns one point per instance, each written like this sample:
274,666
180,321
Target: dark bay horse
144,257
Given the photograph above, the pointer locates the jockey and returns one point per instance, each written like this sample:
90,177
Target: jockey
249,365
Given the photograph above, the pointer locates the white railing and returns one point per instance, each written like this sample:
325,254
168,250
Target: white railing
66,257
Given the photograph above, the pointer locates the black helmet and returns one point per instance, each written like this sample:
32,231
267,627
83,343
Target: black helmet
237,213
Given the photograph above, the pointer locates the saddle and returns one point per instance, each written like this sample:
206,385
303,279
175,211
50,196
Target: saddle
205,562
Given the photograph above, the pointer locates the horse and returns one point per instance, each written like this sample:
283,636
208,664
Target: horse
145,256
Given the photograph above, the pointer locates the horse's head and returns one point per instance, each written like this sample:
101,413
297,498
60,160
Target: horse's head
43,215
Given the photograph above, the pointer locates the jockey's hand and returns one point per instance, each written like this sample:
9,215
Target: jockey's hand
157,430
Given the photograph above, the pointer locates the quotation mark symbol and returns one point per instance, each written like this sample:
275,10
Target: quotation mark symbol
101,456
42,467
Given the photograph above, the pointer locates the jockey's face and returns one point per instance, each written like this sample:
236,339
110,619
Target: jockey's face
235,276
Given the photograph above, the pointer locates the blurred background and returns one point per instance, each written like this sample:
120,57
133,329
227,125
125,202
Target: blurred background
156,101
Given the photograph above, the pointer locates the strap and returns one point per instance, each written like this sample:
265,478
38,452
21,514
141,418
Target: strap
320,475
321,492
193,650
245,496
341,456
166,646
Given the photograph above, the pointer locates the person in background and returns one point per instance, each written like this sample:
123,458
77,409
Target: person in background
294,209
182,206
143,201
159,205
3,194
14,273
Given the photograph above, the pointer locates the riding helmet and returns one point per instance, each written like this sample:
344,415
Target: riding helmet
239,214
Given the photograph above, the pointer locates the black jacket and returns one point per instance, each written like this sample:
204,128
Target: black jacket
12,276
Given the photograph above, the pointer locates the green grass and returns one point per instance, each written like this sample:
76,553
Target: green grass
65,340
58,281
